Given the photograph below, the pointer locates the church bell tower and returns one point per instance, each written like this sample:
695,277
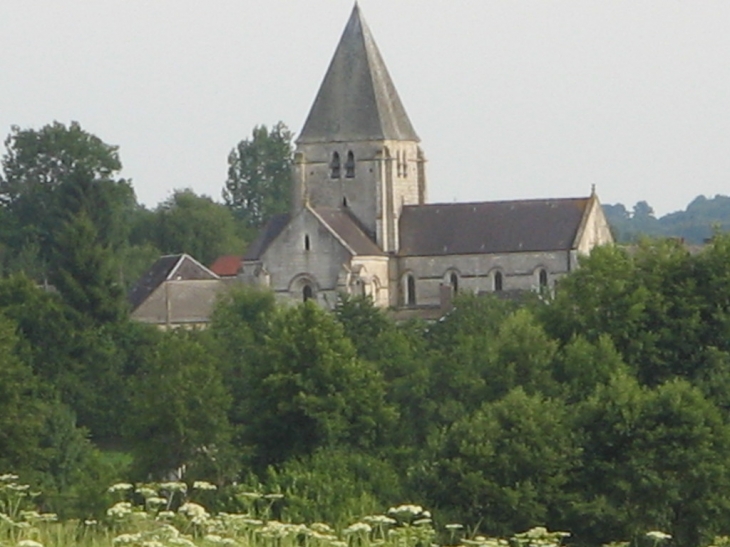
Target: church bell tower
358,150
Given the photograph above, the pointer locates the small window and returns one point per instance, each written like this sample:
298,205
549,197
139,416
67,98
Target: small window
454,281
344,202
307,244
397,163
307,293
350,165
411,290
543,277
335,168
498,281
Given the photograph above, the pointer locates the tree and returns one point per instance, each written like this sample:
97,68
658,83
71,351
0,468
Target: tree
310,390
188,223
179,411
259,175
36,165
651,459
505,466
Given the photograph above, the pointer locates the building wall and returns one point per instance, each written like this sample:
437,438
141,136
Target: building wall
290,265
476,273
596,230
388,174
183,302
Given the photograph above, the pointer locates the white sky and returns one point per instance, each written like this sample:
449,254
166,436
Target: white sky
512,99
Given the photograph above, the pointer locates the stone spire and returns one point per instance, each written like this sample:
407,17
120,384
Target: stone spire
357,100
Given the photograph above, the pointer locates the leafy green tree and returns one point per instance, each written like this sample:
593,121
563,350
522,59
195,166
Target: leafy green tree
188,223
504,467
259,175
310,390
651,459
35,166
179,411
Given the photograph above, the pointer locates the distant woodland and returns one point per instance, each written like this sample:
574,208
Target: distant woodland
602,409
696,224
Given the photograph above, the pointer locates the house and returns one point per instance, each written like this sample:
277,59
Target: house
360,223
177,291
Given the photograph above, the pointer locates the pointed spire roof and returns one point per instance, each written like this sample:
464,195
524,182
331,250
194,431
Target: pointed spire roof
357,100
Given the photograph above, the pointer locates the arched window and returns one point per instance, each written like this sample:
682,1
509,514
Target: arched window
307,293
350,165
543,278
335,168
454,282
497,281
410,290
307,245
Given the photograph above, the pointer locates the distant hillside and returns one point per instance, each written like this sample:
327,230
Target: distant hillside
694,224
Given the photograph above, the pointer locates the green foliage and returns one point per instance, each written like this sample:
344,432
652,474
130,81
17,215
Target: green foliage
652,458
188,223
701,218
505,466
36,167
309,390
259,175
337,485
178,413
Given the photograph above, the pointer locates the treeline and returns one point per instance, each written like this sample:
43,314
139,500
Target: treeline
697,223
603,410
60,192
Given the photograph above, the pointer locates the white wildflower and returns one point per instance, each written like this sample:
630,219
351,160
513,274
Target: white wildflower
8,477
119,510
29,543
154,500
357,528
184,542
656,535
152,543
454,526
192,510
421,522
321,527
202,485
120,487
162,515
212,538
146,492
174,486
125,539
90,522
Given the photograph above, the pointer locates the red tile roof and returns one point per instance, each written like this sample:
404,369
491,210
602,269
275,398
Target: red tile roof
226,266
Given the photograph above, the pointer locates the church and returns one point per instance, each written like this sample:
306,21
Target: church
360,223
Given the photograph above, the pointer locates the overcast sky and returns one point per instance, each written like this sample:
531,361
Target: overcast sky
511,99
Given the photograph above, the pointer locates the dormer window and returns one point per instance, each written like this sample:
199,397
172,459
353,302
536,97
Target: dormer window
335,166
350,165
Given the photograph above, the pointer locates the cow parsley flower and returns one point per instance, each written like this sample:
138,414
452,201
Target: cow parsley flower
120,487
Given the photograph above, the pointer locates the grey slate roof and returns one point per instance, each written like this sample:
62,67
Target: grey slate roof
349,229
357,100
180,266
490,227
268,234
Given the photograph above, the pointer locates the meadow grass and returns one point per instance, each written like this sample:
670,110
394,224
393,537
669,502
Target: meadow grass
173,514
